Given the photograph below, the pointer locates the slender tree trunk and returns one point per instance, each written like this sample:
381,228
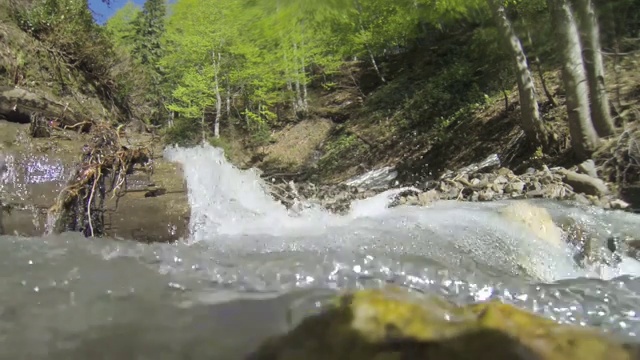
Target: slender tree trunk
591,46
531,122
538,64
204,128
289,83
216,70
371,56
584,138
303,69
228,99
299,103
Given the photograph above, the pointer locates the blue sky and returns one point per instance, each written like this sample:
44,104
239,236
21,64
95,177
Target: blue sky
102,12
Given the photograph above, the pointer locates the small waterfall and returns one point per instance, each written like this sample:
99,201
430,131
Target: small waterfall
28,183
229,205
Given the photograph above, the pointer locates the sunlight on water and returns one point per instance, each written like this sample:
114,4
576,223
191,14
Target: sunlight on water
252,264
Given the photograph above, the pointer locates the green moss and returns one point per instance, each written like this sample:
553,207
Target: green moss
393,324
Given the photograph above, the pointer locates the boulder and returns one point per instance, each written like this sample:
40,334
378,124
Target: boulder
395,324
19,105
535,219
3,169
588,167
584,183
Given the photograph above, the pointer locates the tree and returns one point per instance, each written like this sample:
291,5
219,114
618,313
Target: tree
599,100
147,48
531,121
584,138
121,26
149,28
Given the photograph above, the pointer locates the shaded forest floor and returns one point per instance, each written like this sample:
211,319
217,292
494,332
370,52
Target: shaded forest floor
395,124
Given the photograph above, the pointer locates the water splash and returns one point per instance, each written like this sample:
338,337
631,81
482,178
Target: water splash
226,201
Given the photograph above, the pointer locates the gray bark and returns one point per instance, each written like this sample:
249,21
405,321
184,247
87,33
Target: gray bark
299,103
590,35
531,122
584,138
203,124
216,70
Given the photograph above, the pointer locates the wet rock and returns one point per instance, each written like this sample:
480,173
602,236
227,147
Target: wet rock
618,204
132,216
584,183
581,199
428,197
535,219
155,192
395,324
486,195
514,187
588,167
3,169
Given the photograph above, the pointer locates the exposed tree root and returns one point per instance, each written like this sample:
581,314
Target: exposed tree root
102,171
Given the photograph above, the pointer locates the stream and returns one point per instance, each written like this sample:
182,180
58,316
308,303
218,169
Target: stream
250,269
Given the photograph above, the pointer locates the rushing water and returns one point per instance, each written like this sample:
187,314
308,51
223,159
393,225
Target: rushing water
252,268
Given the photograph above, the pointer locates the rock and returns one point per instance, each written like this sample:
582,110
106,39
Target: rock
535,219
514,187
3,169
618,204
19,105
504,172
588,167
155,192
486,195
532,194
501,180
555,191
584,183
581,199
428,197
395,324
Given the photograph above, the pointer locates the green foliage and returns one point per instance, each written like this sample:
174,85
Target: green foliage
70,29
343,152
121,26
182,133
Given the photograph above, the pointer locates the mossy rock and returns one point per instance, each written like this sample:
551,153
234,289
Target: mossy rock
386,325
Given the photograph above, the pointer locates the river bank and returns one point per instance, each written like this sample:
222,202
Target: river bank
154,206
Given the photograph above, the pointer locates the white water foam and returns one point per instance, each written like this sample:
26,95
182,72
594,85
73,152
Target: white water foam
230,208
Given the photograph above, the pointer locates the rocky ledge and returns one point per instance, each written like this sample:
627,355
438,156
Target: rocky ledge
549,183
152,206
579,184
395,324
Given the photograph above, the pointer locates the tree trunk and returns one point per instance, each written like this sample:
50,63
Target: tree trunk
216,69
531,122
204,128
228,100
584,138
303,67
371,56
538,64
590,34
299,103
